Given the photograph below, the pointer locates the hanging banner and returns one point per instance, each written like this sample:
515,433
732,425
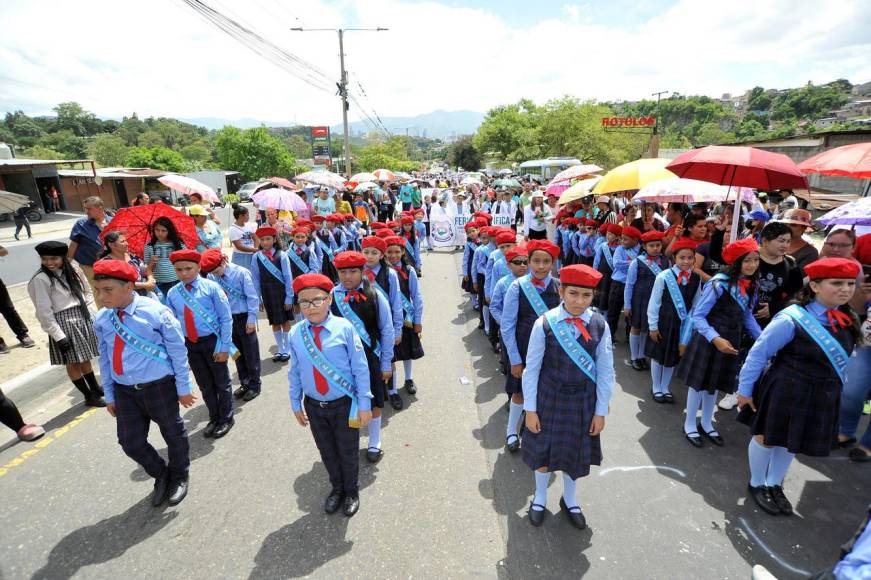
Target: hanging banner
503,220
446,226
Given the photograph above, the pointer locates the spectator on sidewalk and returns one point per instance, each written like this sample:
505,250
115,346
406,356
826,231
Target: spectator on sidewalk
21,221
7,308
141,198
85,244
117,249
11,417
65,310
209,233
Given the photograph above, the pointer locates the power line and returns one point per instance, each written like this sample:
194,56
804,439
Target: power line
371,106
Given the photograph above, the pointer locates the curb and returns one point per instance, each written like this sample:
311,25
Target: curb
10,386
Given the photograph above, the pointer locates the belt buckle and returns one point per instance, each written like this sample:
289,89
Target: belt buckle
324,404
138,387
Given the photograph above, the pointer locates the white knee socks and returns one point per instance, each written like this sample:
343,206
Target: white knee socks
634,340
515,410
406,366
759,457
375,433
709,401
694,400
540,496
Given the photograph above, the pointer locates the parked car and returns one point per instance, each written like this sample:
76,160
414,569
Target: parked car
249,189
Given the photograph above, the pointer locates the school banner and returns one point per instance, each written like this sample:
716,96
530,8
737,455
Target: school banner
446,227
503,220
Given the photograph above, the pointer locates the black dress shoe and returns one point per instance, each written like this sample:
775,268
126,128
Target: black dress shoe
161,490
536,517
240,392
838,444
396,402
95,401
669,398
659,398
224,428
577,518
636,364
762,496
209,430
251,394
334,501
276,358
713,436
374,455
858,455
695,439
351,504
285,357
780,500
512,443
410,387
178,491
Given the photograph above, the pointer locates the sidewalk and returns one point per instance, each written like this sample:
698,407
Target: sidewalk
52,223
19,361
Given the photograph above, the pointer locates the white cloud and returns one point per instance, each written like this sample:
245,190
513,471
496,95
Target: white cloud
161,58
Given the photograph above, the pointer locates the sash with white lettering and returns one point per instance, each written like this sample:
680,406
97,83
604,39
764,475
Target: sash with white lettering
609,257
141,345
351,316
298,261
207,318
680,305
578,354
228,290
532,295
836,354
722,280
335,377
652,266
270,267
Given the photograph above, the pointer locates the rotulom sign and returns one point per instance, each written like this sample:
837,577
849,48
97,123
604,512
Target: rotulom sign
628,121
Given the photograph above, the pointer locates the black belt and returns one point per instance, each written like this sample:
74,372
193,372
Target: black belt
328,404
199,338
141,386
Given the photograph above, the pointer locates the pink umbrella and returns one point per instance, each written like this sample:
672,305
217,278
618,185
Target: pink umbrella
282,182
384,175
556,189
575,172
280,199
188,185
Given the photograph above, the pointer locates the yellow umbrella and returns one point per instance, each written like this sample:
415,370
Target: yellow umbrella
634,175
579,190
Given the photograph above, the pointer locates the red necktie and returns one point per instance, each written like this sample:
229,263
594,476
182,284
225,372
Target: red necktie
268,253
369,274
537,283
743,285
320,380
118,350
582,328
683,278
355,296
650,259
189,324
399,271
839,319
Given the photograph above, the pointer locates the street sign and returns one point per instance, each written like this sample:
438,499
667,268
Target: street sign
321,145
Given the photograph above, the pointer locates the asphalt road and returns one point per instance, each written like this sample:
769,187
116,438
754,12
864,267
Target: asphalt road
447,501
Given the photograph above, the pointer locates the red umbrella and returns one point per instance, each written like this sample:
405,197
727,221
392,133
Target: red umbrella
740,166
135,223
850,160
282,182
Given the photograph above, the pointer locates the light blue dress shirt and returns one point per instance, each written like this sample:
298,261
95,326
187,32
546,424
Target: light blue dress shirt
604,358
213,300
856,564
659,289
154,322
510,308
414,291
600,250
489,277
710,294
500,270
632,278
314,260
343,348
468,254
622,259
497,301
393,298
385,324
479,262
238,278
284,266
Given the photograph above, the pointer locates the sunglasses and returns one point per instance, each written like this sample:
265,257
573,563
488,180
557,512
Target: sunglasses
520,262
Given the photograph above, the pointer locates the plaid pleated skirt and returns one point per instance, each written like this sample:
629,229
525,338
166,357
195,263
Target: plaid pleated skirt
704,368
410,347
80,332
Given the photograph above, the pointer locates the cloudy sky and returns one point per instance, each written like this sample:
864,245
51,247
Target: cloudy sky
162,58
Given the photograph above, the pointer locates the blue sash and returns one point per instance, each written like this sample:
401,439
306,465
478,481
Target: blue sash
609,257
686,322
270,267
571,346
207,318
231,292
734,291
336,379
141,345
351,316
836,354
652,266
407,308
325,248
410,249
298,261
532,295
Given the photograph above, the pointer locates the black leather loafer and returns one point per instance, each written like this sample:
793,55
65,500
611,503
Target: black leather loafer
224,428
351,505
161,490
209,430
694,439
396,402
410,387
512,443
762,496
783,504
178,491
536,517
374,455
334,501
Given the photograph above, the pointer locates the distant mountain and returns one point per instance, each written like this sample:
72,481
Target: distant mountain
218,123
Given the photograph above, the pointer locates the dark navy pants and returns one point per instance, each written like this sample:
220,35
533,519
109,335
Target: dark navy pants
212,377
338,443
134,412
248,363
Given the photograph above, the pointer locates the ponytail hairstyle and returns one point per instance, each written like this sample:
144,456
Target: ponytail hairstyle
734,274
109,238
806,295
239,210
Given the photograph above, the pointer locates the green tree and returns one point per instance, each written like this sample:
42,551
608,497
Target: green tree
72,117
196,152
155,158
41,152
70,145
298,146
253,152
27,131
508,132
462,153
130,129
759,100
108,150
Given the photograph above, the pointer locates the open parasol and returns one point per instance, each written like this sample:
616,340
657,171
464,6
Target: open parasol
325,178
135,223
280,199
188,185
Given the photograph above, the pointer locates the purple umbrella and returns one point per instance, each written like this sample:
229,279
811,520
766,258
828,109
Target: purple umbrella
855,213
280,199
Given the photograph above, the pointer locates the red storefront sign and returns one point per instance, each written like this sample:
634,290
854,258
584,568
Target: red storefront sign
322,132
628,121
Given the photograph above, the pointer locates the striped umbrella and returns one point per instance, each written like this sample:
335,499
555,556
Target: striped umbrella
384,175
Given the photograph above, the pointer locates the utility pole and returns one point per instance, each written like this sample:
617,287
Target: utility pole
654,140
343,83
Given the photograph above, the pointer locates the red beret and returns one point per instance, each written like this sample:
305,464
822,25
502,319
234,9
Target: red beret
470,225
377,225
737,249
349,260
185,256
483,215
373,242
579,275
591,222
393,224
603,229
211,259
839,268
631,232
395,241
406,219
683,243
304,222
300,230
519,250
336,218
542,246
570,221
118,269
384,233
266,231
484,231
318,219
419,211
506,238
300,283
652,236
862,251
615,229
348,216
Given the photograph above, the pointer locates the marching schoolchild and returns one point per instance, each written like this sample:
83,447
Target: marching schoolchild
270,272
624,254
526,299
326,247
412,241
496,269
675,291
421,231
409,348
467,284
583,242
722,314
237,284
567,387
301,254
357,300
351,227
144,367
204,312
518,264
479,263
570,225
329,388
636,294
604,263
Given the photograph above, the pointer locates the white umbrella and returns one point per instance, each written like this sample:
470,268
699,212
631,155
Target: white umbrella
384,175
365,185
579,190
470,180
280,199
188,185
575,171
361,177
325,178
10,202
505,172
680,190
